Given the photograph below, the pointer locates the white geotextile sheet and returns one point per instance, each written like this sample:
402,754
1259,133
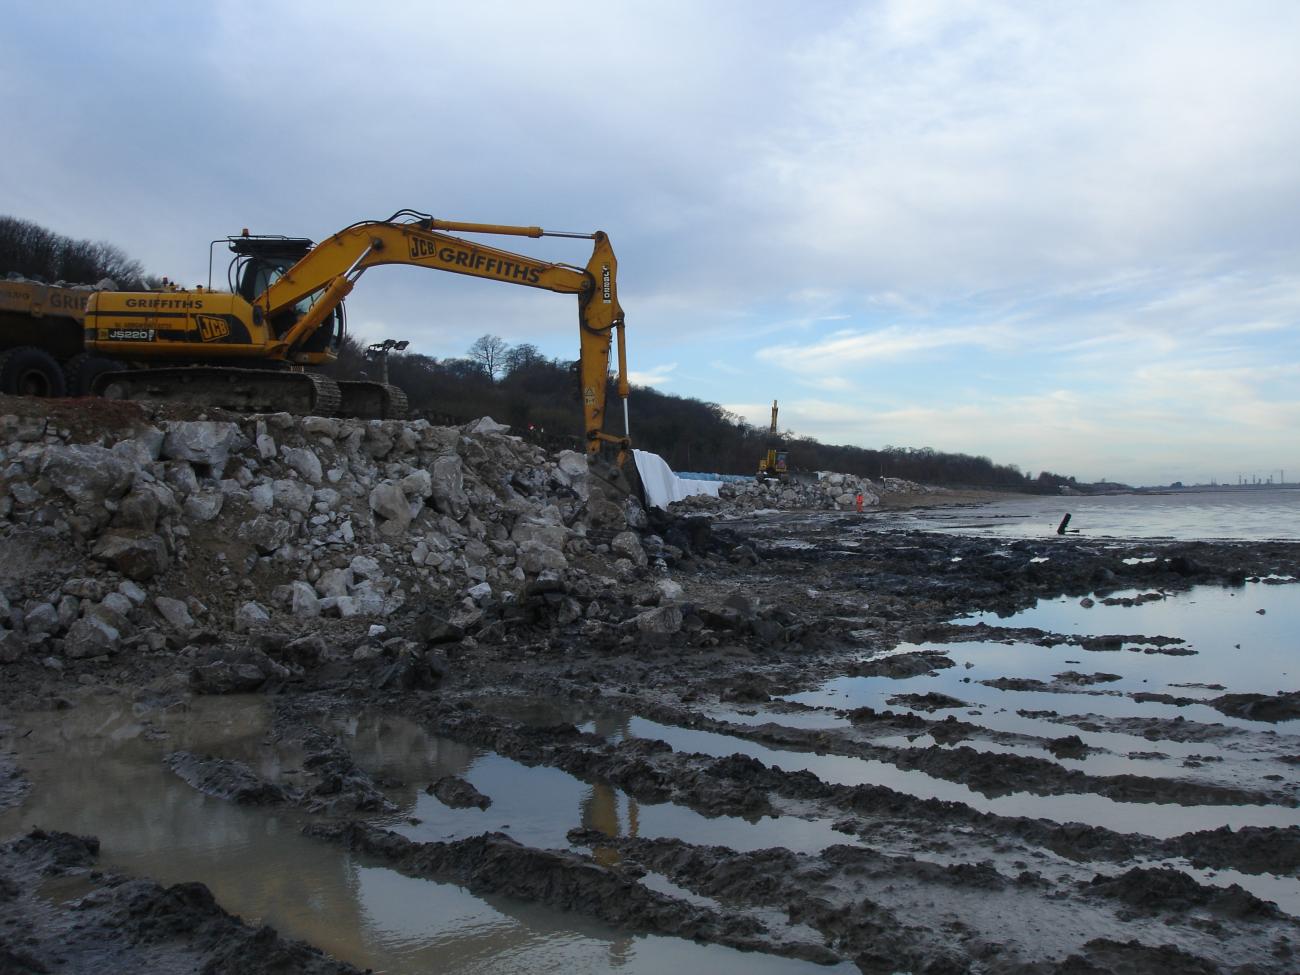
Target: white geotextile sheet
662,486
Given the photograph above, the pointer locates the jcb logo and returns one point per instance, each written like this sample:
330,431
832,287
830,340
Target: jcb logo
422,248
212,329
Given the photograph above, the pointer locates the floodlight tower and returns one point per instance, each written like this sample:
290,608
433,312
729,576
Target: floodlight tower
379,352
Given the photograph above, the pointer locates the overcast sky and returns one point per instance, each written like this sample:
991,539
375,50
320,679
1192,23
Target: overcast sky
1064,236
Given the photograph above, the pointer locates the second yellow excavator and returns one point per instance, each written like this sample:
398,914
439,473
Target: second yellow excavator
247,349
772,465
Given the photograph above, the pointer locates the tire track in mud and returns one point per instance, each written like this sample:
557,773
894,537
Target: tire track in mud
841,892
989,774
879,909
739,785
493,863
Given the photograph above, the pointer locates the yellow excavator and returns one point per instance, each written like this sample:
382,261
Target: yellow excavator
248,349
772,465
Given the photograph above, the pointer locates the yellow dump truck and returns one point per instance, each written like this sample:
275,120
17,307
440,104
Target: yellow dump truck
41,338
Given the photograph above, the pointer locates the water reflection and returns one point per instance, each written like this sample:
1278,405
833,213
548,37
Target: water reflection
538,805
97,769
1244,636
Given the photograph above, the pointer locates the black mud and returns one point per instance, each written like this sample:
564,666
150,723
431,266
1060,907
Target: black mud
907,884
58,913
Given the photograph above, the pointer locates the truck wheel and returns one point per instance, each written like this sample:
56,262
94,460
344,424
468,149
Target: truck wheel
29,371
84,368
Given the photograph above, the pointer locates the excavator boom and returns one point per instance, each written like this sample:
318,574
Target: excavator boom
331,268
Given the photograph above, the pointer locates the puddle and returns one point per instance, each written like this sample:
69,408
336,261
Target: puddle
539,805
97,769
1153,819
1236,644
1212,620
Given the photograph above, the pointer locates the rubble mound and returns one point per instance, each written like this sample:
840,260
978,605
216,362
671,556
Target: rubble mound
822,491
143,531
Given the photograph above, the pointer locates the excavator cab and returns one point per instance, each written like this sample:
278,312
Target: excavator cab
259,262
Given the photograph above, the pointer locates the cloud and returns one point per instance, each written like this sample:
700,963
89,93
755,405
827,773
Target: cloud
848,348
898,211
659,375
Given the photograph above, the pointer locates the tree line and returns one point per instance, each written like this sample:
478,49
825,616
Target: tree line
43,255
540,397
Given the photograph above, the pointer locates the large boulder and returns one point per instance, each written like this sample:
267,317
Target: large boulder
41,618
207,442
138,556
141,508
88,474
486,425
553,536
628,545
417,484
175,612
448,487
334,582
304,461
12,647
203,505
389,502
536,557
303,602
605,515
365,567
294,495
320,426
571,471
250,616
662,620
265,533
90,637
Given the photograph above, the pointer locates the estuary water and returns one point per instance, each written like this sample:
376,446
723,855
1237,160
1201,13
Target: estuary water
1246,515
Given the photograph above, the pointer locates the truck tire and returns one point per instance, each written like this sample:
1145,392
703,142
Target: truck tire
84,368
29,371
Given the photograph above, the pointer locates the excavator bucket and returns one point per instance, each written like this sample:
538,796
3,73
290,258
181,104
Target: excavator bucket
615,481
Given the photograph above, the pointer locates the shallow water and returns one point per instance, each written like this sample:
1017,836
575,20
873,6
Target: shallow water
1254,515
539,805
97,769
1246,637
1237,647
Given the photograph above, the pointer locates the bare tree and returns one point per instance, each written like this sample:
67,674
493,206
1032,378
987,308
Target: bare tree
489,351
522,356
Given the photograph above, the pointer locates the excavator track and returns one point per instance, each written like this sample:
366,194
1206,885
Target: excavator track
220,387
372,401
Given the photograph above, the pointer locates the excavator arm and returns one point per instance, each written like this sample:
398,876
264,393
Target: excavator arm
331,268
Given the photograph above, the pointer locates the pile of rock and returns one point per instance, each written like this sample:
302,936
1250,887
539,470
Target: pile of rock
103,284
166,529
824,491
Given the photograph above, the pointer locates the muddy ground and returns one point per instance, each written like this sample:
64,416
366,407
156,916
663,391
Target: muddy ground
769,607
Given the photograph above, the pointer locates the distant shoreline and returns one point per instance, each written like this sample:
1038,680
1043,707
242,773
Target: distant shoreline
1213,489
956,497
